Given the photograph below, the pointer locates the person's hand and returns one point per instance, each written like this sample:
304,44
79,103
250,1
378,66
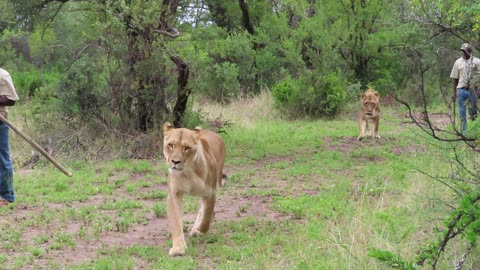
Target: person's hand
454,97
4,101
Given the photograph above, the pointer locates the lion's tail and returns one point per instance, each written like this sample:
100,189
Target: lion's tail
223,181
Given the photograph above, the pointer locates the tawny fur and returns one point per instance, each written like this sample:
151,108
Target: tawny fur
369,112
195,160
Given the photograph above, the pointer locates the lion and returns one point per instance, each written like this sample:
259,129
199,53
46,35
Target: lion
195,160
369,111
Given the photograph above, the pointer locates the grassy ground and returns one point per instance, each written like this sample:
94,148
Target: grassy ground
301,195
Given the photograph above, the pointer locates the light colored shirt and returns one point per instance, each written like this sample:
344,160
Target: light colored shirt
464,70
6,89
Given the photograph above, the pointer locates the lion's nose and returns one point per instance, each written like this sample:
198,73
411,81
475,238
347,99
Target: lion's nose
175,162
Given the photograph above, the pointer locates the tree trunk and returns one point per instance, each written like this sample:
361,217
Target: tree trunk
251,30
182,92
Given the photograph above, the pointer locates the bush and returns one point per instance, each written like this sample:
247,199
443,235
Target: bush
28,83
81,91
311,96
222,82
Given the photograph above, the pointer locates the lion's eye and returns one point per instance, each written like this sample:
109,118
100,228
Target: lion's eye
187,148
170,145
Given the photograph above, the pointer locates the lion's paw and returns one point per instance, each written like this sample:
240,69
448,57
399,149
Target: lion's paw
176,251
195,232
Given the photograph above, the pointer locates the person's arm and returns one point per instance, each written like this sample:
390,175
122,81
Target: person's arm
4,101
455,83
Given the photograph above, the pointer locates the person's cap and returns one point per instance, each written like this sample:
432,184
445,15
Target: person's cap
466,48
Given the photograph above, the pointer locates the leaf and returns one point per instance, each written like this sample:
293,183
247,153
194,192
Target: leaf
391,259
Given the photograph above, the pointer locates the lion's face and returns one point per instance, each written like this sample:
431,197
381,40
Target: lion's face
179,147
370,102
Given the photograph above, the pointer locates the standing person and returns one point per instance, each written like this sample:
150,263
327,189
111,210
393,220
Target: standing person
464,69
8,97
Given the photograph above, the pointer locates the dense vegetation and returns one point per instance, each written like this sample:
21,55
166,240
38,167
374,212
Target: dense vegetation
105,74
129,65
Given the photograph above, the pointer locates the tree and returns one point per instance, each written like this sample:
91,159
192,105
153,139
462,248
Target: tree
147,30
364,31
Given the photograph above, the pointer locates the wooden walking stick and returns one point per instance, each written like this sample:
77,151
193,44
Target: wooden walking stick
35,145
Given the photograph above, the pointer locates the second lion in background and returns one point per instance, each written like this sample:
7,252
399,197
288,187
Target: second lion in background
369,112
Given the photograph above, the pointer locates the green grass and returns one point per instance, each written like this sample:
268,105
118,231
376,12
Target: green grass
335,200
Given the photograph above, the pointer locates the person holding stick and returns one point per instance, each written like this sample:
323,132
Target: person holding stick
463,74
8,97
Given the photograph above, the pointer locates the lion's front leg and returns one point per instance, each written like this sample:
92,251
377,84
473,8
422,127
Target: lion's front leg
363,127
369,128
376,123
175,217
204,217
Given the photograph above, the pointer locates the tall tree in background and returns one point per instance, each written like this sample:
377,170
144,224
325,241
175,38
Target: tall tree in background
142,26
239,16
138,30
359,27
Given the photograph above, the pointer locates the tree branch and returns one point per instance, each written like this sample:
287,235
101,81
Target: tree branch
175,33
53,17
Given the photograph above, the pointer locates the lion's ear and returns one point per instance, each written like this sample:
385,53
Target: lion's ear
197,133
167,126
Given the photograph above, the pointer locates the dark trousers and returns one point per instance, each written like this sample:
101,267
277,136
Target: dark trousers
6,168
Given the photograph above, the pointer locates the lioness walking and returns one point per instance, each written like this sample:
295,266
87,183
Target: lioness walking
369,111
195,160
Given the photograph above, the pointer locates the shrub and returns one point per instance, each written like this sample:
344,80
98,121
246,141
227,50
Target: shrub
81,91
223,84
311,96
28,83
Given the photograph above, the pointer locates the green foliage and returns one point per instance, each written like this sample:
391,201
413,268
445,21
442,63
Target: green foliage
42,46
391,259
28,83
464,222
194,118
272,33
311,96
13,47
224,84
81,91
223,64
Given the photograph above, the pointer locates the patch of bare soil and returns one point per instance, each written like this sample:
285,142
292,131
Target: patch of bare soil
437,120
347,145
